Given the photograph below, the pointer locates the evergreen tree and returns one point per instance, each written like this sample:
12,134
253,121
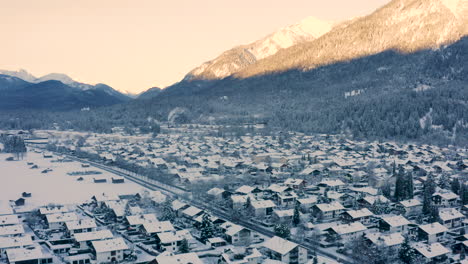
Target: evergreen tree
296,216
168,213
428,191
400,184
184,246
407,254
434,214
464,193
455,185
282,231
206,228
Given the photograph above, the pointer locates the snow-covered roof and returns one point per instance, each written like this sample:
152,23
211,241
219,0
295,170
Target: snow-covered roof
168,237
349,228
364,212
11,230
192,211
450,214
279,245
141,219
431,250
108,245
411,203
11,242
327,207
90,236
386,239
396,220
54,209
61,217
5,208
9,220
284,213
158,227
186,258
24,254
80,224
434,228
246,189
263,204
332,183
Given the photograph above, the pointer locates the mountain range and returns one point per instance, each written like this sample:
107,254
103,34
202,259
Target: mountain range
400,72
364,76
21,90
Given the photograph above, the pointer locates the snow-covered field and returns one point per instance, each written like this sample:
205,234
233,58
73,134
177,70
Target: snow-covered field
55,186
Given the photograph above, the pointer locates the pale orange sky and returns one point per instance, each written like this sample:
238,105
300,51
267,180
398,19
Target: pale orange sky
133,45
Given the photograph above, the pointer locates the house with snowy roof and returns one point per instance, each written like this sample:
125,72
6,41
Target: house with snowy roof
109,250
431,233
58,220
451,218
347,232
11,230
6,220
262,208
81,226
363,215
394,224
152,228
13,242
387,240
84,239
411,207
236,234
328,211
432,253
170,258
135,221
31,254
243,255
170,241
445,198
277,248
307,203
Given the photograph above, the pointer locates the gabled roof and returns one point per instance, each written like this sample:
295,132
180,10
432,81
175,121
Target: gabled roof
279,245
364,212
263,204
450,214
158,227
24,254
327,207
9,220
108,245
11,242
386,239
141,219
90,236
80,224
396,220
349,228
432,250
187,258
434,228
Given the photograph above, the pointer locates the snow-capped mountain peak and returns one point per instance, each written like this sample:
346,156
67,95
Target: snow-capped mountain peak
238,58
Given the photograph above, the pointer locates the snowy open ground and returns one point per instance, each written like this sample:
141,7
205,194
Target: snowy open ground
56,186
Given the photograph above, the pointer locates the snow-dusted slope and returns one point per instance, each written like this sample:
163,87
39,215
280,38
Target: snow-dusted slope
238,58
404,25
21,74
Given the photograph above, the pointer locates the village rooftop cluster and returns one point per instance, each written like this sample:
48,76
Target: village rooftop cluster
282,198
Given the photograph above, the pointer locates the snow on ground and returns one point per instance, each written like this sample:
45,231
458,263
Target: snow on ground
55,186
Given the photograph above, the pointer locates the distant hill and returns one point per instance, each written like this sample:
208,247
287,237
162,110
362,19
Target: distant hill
16,94
150,93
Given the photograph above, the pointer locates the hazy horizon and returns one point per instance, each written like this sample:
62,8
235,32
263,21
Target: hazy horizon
136,45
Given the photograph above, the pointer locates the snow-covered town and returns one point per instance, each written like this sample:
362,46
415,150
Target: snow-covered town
188,195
